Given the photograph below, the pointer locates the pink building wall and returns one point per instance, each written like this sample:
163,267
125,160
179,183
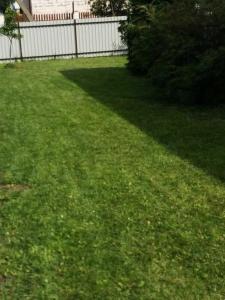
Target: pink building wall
57,6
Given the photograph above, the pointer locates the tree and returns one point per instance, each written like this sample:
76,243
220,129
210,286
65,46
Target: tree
180,46
109,8
4,4
10,28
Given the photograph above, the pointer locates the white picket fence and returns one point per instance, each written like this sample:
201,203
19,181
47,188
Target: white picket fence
65,38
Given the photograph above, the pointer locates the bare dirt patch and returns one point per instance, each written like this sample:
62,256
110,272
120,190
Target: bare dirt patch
14,187
2,279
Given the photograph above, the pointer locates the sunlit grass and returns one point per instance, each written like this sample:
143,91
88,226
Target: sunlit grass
106,193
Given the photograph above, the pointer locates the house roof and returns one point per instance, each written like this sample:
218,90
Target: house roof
25,9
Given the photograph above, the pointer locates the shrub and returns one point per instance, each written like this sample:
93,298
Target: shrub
181,47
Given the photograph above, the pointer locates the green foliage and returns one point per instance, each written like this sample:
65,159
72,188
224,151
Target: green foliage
10,27
4,4
105,8
181,46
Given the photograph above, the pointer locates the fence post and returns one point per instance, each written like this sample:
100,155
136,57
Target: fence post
20,42
75,38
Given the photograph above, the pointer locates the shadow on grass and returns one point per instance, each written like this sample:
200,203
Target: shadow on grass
193,133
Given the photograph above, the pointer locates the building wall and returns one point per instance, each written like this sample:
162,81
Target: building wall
58,6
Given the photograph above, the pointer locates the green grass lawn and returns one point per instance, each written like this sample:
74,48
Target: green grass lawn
106,193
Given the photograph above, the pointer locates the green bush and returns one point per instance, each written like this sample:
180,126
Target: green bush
181,47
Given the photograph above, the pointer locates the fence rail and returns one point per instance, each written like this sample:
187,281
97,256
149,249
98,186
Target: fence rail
65,38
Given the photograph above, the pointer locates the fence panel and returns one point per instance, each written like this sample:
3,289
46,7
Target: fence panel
47,39
5,49
99,36
66,38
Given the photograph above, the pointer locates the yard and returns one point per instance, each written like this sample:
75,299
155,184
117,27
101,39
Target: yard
106,193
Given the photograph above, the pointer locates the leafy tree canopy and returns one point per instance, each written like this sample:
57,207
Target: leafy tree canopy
180,45
4,4
104,8
107,8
